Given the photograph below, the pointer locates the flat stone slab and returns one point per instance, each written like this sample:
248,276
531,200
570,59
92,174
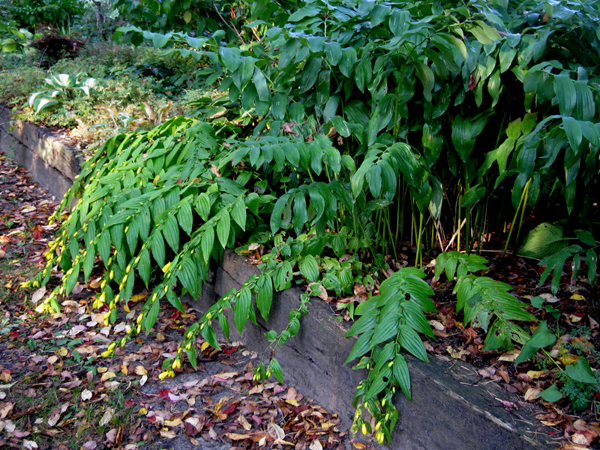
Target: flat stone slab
50,160
452,407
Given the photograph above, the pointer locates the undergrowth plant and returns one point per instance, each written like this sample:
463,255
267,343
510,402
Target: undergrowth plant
348,127
61,86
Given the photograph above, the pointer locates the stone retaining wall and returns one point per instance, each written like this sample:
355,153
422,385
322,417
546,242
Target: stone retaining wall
452,408
50,161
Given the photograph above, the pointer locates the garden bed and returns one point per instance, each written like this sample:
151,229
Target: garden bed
452,406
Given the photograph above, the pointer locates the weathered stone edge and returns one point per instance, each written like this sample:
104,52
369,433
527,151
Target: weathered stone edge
451,408
49,159
446,412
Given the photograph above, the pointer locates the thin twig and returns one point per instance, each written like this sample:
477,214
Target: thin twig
231,27
455,234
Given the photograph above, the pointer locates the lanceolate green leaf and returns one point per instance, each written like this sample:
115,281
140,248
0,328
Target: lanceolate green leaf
264,295
412,343
241,309
223,227
401,375
309,268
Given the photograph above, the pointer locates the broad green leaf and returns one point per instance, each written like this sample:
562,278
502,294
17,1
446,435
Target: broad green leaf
275,368
157,246
341,126
171,232
185,217
348,61
379,13
309,268
574,132
88,262
564,89
458,43
581,371
425,74
411,342
264,295
300,216
207,242
144,266
279,106
238,213
387,326
464,133
585,108
310,74
472,196
224,324
360,347
333,53
379,383
231,58
401,375
542,337
152,315
260,83
283,276
241,309
223,228
174,300
544,240
551,394
191,355
399,22
208,333
160,40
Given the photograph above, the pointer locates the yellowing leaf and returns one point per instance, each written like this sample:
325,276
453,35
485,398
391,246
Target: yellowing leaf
107,376
509,356
137,297
143,411
62,351
532,394
106,418
204,346
535,374
237,436
574,319
577,297
456,354
173,423
568,359
124,369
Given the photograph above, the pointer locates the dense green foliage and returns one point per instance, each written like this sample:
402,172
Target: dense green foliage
345,130
33,13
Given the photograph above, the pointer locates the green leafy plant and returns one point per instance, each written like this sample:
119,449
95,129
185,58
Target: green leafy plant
485,302
388,325
18,40
32,13
347,129
62,85
546,242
